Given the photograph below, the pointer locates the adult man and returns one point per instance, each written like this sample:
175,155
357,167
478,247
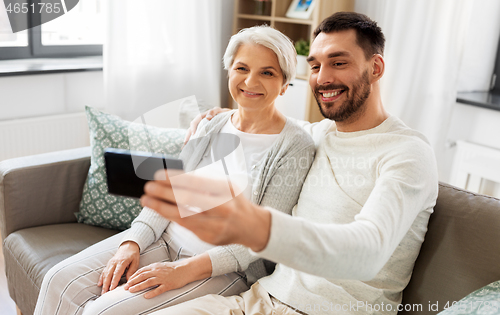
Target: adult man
364,207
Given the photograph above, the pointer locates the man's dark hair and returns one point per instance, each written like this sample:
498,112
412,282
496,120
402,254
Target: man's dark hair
368,34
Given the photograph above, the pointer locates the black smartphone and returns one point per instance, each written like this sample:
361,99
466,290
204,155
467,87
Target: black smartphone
128,171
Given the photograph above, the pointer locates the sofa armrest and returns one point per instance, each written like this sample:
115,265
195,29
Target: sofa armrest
42,189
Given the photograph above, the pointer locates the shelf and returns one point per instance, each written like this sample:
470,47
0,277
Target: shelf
255,17
49,65
276,19
295,29
488,100
294,21
245,23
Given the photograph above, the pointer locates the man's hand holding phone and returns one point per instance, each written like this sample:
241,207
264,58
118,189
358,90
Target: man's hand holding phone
128,171
235,221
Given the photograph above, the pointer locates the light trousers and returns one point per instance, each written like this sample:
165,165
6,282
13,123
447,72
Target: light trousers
70,287
255,301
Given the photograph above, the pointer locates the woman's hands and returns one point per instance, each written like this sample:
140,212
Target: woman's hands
166,275
126,258
209,114
169,275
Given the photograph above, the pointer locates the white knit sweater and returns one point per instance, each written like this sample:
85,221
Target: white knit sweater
289,158
362,217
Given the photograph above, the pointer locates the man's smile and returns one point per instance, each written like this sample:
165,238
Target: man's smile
331,95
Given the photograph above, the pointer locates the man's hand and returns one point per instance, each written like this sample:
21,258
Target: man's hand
126,258
228,222
209,114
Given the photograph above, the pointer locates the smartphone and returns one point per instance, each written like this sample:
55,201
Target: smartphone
128,171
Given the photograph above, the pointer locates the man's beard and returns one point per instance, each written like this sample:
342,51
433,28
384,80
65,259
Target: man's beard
352,107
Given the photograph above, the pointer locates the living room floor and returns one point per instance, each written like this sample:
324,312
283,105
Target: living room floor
8,307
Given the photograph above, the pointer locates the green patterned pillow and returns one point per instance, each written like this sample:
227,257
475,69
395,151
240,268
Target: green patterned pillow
98,207
484,301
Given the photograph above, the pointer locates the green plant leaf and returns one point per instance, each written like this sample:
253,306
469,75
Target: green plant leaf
302,47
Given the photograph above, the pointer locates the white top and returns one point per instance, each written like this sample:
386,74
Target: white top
250,152
363,214
254,146
292,146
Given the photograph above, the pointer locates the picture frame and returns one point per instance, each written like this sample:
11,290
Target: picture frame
301,9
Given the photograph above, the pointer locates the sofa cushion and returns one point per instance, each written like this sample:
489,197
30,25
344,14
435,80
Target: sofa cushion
97,206
460,251
189,108
483,301
30,253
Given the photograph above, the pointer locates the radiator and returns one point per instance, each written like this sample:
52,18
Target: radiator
42,134
476,168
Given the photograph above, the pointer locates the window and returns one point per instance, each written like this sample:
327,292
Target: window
78,32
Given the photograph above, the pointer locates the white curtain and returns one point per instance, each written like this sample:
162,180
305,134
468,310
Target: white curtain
481,47
158,51
425,40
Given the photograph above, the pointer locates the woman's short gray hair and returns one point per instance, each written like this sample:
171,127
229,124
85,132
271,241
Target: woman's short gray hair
268,37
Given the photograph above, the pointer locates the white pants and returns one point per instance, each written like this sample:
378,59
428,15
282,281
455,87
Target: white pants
70,287
255,301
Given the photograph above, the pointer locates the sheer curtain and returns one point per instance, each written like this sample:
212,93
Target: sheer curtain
158,51
425,43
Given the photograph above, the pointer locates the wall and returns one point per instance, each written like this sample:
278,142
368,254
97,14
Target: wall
477,125
50,94
470,123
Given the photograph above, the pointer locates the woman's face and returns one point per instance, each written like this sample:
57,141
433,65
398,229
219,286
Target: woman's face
255,77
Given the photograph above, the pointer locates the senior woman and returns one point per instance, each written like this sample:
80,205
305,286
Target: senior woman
166,264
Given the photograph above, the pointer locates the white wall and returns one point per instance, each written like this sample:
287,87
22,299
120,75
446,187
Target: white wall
292,102
476,125
471,123
50,94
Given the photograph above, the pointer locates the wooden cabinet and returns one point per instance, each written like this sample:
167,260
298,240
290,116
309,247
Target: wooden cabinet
275,16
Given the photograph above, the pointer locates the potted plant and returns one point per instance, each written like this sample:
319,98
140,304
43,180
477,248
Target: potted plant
302,48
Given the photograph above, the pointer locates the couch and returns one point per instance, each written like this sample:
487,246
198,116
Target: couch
39,195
